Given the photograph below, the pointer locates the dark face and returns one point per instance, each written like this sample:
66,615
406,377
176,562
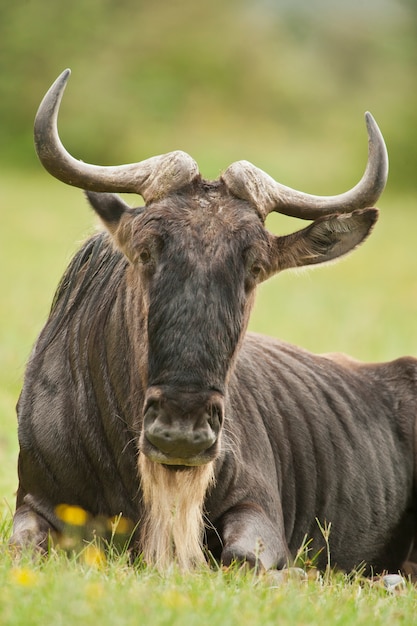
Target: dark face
195,259
198,260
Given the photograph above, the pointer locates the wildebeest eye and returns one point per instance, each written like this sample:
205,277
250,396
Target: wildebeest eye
145,256
254,267
256,270
254,274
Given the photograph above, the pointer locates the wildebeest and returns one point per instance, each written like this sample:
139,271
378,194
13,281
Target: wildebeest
145,396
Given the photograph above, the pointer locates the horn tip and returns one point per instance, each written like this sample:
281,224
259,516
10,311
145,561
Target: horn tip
370,120
62,80
65,75
371,123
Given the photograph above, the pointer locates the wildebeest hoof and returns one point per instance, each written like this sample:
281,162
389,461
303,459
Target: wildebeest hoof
393,583
279,577
25,541
235,556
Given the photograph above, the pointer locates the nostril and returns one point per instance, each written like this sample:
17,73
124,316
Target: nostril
199,436
215,416
152,406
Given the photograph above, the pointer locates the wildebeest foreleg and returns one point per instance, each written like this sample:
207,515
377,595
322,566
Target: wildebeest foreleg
250,537
30,530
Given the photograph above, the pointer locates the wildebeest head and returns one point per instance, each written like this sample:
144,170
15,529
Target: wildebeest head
197,250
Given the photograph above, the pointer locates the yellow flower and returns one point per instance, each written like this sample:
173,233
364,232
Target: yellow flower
94,591
93,556
24,576
121,525
73,515
175,599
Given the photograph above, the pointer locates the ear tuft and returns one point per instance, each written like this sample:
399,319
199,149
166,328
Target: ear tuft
337,235
326,239
108,206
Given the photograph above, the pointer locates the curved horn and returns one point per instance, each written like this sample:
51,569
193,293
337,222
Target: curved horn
152,178
248,182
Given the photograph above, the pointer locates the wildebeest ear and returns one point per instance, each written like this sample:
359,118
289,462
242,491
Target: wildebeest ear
326,239
109,207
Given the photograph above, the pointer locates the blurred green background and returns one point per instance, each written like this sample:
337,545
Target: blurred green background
275,80
282,83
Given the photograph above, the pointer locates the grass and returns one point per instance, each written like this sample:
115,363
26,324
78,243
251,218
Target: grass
365,305
64,590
